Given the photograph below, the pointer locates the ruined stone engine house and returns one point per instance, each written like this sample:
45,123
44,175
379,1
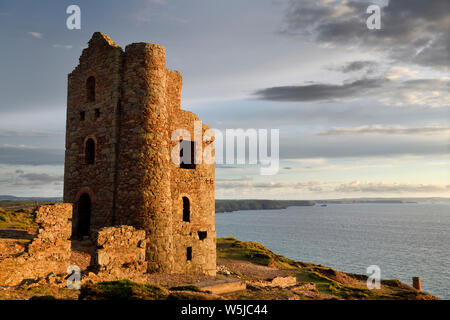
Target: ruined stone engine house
122,108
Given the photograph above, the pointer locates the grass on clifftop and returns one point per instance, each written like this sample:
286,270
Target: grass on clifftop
129,290
18,215
328,281
231,248
121,290
17,221
248,261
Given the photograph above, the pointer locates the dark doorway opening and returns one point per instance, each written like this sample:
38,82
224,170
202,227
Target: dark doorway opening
84,215
202,235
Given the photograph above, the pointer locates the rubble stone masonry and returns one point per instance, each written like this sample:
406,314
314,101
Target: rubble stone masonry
120,247
122,108
48,253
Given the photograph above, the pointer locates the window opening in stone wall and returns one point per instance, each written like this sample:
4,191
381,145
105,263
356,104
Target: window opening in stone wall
186,209
82,115
189,253
187,154
202,235
97,113
90,89
89,151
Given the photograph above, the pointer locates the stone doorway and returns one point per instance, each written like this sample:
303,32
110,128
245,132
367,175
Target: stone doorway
84,215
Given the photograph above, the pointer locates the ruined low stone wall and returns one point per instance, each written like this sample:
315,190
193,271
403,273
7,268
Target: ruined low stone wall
120,254
49,252
55,229
120,247
120,251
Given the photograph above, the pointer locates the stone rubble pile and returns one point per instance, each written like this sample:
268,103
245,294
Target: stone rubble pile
48,253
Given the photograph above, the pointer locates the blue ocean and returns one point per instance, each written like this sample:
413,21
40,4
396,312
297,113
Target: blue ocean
404,240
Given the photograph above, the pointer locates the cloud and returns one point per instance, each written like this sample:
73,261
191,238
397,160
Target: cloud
321,91
310,185
160,2
427,92
378,129
244,178
24,155
62,46
33,179
382,187
350,187
35,34
253,114
397,72
359,65
412,31
29,133
19,180
298,146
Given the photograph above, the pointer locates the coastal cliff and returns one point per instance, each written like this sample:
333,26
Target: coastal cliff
251,269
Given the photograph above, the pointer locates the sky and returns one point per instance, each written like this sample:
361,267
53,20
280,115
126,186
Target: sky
360,112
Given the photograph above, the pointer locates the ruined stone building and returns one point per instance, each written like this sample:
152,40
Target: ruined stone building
122,108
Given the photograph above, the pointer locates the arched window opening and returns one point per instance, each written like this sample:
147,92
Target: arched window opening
89,151
186,209
90,89
84,215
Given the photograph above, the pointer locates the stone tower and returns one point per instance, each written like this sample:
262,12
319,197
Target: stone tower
122,109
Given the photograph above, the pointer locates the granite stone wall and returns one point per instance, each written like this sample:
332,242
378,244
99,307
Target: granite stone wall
120,247
133,180
102,60
48,253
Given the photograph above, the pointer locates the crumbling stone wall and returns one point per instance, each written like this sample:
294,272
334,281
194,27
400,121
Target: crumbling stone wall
102,59
120,252
133,180
55,229
198,186
48,252
120,247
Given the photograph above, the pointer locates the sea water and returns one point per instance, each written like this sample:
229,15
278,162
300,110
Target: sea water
404,240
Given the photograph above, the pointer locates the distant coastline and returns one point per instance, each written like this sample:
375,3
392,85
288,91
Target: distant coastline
259,204
223,205
30,199
237,205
